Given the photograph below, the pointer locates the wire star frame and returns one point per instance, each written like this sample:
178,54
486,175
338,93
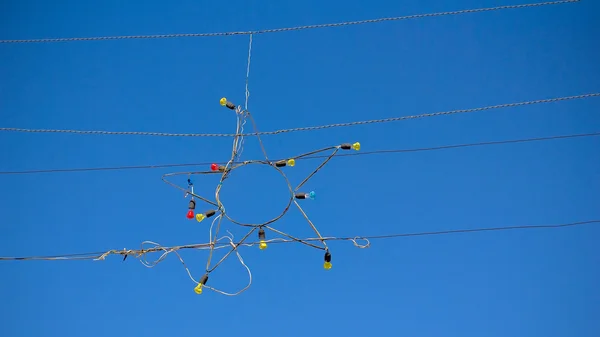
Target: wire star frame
218,210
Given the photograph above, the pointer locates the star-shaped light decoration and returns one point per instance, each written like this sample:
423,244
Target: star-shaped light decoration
217,210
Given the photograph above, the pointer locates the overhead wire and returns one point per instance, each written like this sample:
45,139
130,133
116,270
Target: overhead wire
288,29
313,156
98,256
242,115
308,128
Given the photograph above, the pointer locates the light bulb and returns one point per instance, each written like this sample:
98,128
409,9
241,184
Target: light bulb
327,263
190,214
302,195
224,102
356,146
203,280
291,162
200,217
261,236
214,167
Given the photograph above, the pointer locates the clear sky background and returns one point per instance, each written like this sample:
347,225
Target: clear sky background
512,283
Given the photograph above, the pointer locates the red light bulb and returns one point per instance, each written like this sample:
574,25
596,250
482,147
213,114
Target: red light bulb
190,214
214,167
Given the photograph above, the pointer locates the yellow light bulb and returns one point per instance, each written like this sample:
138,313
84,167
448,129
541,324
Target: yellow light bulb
356,146
327,265
200,217
223,101
198,288
291,162
262,245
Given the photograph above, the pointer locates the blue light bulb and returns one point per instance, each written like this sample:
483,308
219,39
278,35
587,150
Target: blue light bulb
311,195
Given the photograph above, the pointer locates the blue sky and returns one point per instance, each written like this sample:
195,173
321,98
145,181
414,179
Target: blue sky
514,283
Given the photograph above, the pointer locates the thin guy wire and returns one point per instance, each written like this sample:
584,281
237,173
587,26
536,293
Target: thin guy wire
257,134
98,255
288,29
309,128
292,239
312,225
317,169
364,153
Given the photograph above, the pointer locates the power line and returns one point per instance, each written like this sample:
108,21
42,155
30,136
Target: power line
308,128
288,29
355,239
365,153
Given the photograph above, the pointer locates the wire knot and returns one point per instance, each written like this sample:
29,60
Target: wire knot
367,243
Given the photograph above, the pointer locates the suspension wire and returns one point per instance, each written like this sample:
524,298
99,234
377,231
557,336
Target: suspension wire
99,256
307,128
312,155
288,29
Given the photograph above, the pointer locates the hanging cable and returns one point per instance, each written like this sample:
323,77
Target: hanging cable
288,29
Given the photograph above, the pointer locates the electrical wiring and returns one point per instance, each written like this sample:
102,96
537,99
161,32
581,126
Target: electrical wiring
353,154
307,128
156,248
214,207
297,28
218,211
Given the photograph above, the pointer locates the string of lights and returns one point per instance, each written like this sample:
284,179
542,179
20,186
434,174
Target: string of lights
353,154
288,29
217,211
308,128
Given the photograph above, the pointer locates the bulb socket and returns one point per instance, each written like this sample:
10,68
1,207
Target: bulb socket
204,279
327,257
300,195
230,105
210,213
280,163
192,204
261,234
346,146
